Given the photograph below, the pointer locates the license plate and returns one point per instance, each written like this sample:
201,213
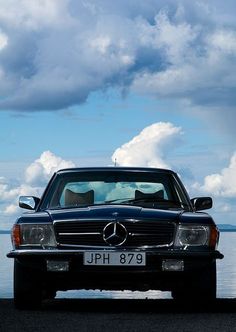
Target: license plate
127,258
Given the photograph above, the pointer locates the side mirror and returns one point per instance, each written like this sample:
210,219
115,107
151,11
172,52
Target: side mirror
28,202
201,203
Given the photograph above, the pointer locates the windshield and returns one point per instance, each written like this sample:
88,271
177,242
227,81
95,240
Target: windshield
152,190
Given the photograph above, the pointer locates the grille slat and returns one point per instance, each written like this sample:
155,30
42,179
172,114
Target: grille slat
140,233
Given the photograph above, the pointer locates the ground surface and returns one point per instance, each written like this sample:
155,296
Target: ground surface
120,315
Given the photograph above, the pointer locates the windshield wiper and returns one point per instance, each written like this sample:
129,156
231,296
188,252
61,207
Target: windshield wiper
149,199
127,200
59,207
145,199
124,199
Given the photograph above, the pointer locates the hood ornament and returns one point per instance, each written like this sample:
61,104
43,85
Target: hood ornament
114,234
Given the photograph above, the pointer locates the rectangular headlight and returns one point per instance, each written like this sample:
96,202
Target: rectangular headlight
36,235
192,235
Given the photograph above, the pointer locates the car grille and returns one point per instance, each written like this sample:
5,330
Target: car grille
90,233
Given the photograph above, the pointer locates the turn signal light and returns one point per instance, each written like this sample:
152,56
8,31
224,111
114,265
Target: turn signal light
214,237
15,236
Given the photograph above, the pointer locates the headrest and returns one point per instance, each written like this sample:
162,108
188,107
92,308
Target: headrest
158,194
72,198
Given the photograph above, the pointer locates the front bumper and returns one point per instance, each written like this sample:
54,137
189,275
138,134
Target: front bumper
159,253
150,276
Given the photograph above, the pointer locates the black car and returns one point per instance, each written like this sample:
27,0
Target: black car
114,228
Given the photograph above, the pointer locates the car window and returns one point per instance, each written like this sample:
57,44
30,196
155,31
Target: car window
104,192
89,188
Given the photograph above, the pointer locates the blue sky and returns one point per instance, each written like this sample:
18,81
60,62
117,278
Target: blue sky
84,82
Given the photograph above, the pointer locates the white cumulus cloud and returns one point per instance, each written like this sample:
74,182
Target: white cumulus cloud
222,184
44,167
150,147
36,177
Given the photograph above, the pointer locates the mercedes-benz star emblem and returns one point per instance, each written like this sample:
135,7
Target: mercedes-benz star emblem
115,234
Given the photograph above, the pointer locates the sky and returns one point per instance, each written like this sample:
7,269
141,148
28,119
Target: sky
139,83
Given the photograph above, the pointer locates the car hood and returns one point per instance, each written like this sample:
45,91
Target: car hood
116,212
113,212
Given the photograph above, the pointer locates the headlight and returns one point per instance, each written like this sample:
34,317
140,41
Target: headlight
33,235
192,235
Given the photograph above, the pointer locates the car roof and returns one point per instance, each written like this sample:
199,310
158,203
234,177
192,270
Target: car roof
115,169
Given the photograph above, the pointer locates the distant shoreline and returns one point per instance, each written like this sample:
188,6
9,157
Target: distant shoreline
226,228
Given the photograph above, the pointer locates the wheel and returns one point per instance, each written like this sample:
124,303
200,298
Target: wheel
199,286
27,287
49,294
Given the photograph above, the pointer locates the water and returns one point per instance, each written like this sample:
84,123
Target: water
226,274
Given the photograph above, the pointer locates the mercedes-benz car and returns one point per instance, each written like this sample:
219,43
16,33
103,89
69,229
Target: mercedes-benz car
114,228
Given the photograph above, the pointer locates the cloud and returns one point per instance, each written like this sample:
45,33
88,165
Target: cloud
222,184
3,41
150,147
36,177
9,192
9,195
154,147
222,187
54,54
43,168
198,65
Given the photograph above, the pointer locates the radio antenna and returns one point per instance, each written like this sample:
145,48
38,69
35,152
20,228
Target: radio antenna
115,163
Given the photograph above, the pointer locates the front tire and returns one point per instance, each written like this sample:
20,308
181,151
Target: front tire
200,286
27,287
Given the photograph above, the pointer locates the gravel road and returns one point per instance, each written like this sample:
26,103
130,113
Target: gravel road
119,315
